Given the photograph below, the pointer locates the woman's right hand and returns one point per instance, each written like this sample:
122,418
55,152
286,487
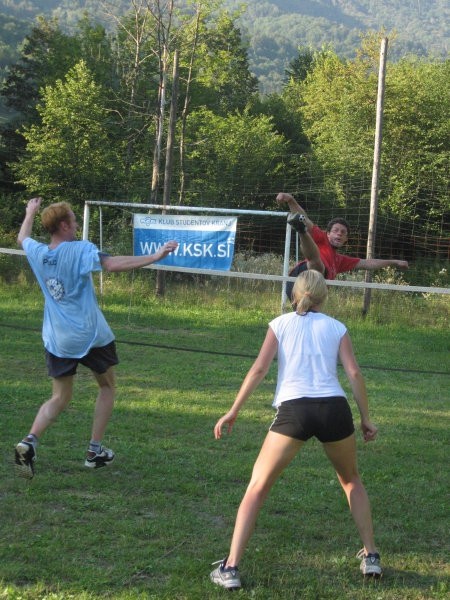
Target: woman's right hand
228,419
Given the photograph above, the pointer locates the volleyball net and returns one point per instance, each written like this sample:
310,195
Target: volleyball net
265,248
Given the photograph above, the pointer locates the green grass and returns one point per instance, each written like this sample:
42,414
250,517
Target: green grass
149,526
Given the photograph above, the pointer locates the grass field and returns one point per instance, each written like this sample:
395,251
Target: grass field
150,526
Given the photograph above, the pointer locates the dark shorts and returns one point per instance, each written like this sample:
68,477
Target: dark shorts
299,268
296,270
98,360
328,419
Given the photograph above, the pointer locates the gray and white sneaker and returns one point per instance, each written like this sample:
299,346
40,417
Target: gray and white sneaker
297,222
370,564
25,455
95,460
227,577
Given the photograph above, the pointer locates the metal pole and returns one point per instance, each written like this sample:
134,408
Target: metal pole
86,221
376,170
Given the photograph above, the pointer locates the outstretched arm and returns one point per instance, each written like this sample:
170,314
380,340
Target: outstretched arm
294,207
309,247
357,383
31,211
371,264
115,264
253,378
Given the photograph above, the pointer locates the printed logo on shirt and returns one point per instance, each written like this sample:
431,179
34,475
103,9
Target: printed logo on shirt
55,288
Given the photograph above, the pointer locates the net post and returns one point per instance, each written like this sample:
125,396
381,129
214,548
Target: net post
86,221
376,169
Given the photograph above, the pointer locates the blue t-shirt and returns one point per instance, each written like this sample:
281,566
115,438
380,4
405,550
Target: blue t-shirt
73,322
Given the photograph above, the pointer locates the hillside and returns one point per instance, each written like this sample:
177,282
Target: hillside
276,29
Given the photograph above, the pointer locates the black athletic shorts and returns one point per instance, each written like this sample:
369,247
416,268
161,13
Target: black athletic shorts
328,419
296,270
299,268
97,359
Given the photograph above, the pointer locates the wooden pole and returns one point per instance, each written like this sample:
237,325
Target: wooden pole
171,133
160,275
375,170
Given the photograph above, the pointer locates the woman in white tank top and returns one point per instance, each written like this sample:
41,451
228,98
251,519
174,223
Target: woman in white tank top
310,402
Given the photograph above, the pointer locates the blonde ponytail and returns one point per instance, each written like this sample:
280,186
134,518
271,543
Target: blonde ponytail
310,289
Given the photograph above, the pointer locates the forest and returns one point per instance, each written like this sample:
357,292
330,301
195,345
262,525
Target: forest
162,103
274,30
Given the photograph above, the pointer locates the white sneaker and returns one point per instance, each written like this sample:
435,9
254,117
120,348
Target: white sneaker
370,564
227,577
24,458
95,460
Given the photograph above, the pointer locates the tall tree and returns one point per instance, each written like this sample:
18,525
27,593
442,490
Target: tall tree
223,80
417,141
69,154
46,55
233,160
301,65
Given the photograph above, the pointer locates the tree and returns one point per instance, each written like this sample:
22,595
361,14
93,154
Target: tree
301,65
69,154
416,141
46,55
222,80
234,160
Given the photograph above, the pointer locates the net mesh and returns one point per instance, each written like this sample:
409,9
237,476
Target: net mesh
422,292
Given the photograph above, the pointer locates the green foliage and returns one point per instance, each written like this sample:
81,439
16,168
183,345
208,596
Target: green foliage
286,122
234,158
300,66
313,137
338,107
223,81
46,56
71,146
416,140
337,103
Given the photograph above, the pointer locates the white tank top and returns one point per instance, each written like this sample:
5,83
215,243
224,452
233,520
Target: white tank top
308,349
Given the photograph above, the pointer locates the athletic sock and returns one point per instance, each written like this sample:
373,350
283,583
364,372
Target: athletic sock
95,446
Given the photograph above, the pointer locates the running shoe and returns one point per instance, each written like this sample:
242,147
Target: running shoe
25,455
370,564
297,222
227,577
95,460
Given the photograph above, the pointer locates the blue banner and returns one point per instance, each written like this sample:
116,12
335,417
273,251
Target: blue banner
204,242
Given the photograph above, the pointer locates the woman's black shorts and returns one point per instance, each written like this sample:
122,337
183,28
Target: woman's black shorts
328,419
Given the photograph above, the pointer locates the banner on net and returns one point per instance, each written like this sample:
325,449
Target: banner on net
204,242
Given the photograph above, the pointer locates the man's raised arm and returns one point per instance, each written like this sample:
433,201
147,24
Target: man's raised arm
294,207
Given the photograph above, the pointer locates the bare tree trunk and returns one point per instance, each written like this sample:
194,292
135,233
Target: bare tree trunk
159,128
137,35
164,25
185,107
160,276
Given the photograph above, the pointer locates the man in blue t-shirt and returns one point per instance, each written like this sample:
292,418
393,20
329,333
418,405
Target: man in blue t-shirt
74,329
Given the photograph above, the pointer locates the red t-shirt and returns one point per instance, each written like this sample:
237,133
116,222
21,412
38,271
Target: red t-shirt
334,263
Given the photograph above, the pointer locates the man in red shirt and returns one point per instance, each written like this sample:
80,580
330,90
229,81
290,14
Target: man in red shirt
320,248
